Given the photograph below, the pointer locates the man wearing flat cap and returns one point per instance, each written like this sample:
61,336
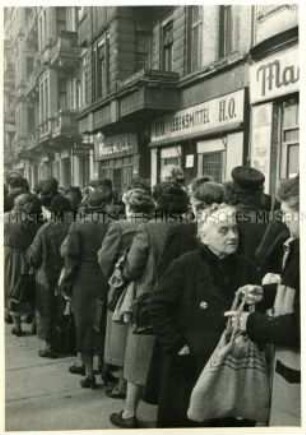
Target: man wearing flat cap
260,237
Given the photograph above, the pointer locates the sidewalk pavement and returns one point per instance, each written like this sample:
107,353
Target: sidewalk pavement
42,395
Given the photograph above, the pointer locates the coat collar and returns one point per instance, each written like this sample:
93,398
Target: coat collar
213,258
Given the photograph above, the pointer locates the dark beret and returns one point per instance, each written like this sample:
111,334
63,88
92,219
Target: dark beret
246,177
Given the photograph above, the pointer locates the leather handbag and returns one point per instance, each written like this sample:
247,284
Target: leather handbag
234,382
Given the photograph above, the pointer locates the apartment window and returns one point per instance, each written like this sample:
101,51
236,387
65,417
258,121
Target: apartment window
79,94
289,152
81,13
213,165
61,19
102,67
225,31
29,66
85,80
31,119
195,38
167,46
143,50
62,90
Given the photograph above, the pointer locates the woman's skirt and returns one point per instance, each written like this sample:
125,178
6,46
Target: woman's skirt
138,354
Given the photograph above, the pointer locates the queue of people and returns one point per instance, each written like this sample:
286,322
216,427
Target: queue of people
147,284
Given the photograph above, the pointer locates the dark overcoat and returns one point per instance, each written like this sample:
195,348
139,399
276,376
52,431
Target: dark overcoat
188,309
18,236
89,286
44,256
283,331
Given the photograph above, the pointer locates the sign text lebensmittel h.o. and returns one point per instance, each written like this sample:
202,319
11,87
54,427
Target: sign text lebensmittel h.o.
218,113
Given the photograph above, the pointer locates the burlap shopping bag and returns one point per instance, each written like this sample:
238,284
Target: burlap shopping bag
234,382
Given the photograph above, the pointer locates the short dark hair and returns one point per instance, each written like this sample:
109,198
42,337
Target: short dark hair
206,191
289,191
170,197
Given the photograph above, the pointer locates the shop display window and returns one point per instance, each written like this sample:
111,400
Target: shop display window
213,165
289,147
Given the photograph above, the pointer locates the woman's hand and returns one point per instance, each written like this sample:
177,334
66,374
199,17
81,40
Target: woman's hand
253,293
238,320
271,278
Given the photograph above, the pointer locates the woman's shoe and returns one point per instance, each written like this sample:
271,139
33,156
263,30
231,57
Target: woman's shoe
125,423
47,353
116,393
89,382
17,331
77,369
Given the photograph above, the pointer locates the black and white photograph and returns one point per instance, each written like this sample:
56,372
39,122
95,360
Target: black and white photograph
151,216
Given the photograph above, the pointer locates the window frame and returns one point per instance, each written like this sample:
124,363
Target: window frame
192,27
226,29
167,48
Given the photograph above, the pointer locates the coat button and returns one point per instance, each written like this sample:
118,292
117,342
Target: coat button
203,305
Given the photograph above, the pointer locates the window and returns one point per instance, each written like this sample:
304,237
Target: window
85,80
29,66
61,19
213,165
195,15
102,78
143,50
62,92
31,119
289,152
225,31
81,13
167,46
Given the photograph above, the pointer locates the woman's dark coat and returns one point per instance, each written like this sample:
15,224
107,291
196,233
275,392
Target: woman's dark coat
18,236
89,286
44,256
188,309
283,331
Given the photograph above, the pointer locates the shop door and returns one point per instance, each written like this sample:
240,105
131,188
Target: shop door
117,179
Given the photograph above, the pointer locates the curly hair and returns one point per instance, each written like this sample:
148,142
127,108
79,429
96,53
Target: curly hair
289,191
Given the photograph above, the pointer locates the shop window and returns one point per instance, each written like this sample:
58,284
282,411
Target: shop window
195,17
225,31
143,50
167,46
213,165
289,152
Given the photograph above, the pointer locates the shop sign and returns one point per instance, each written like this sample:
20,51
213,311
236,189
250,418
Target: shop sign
275,76
113,146
81,150
218,113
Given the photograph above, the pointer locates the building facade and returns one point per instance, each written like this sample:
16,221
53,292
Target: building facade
44,40
274,86
119,92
